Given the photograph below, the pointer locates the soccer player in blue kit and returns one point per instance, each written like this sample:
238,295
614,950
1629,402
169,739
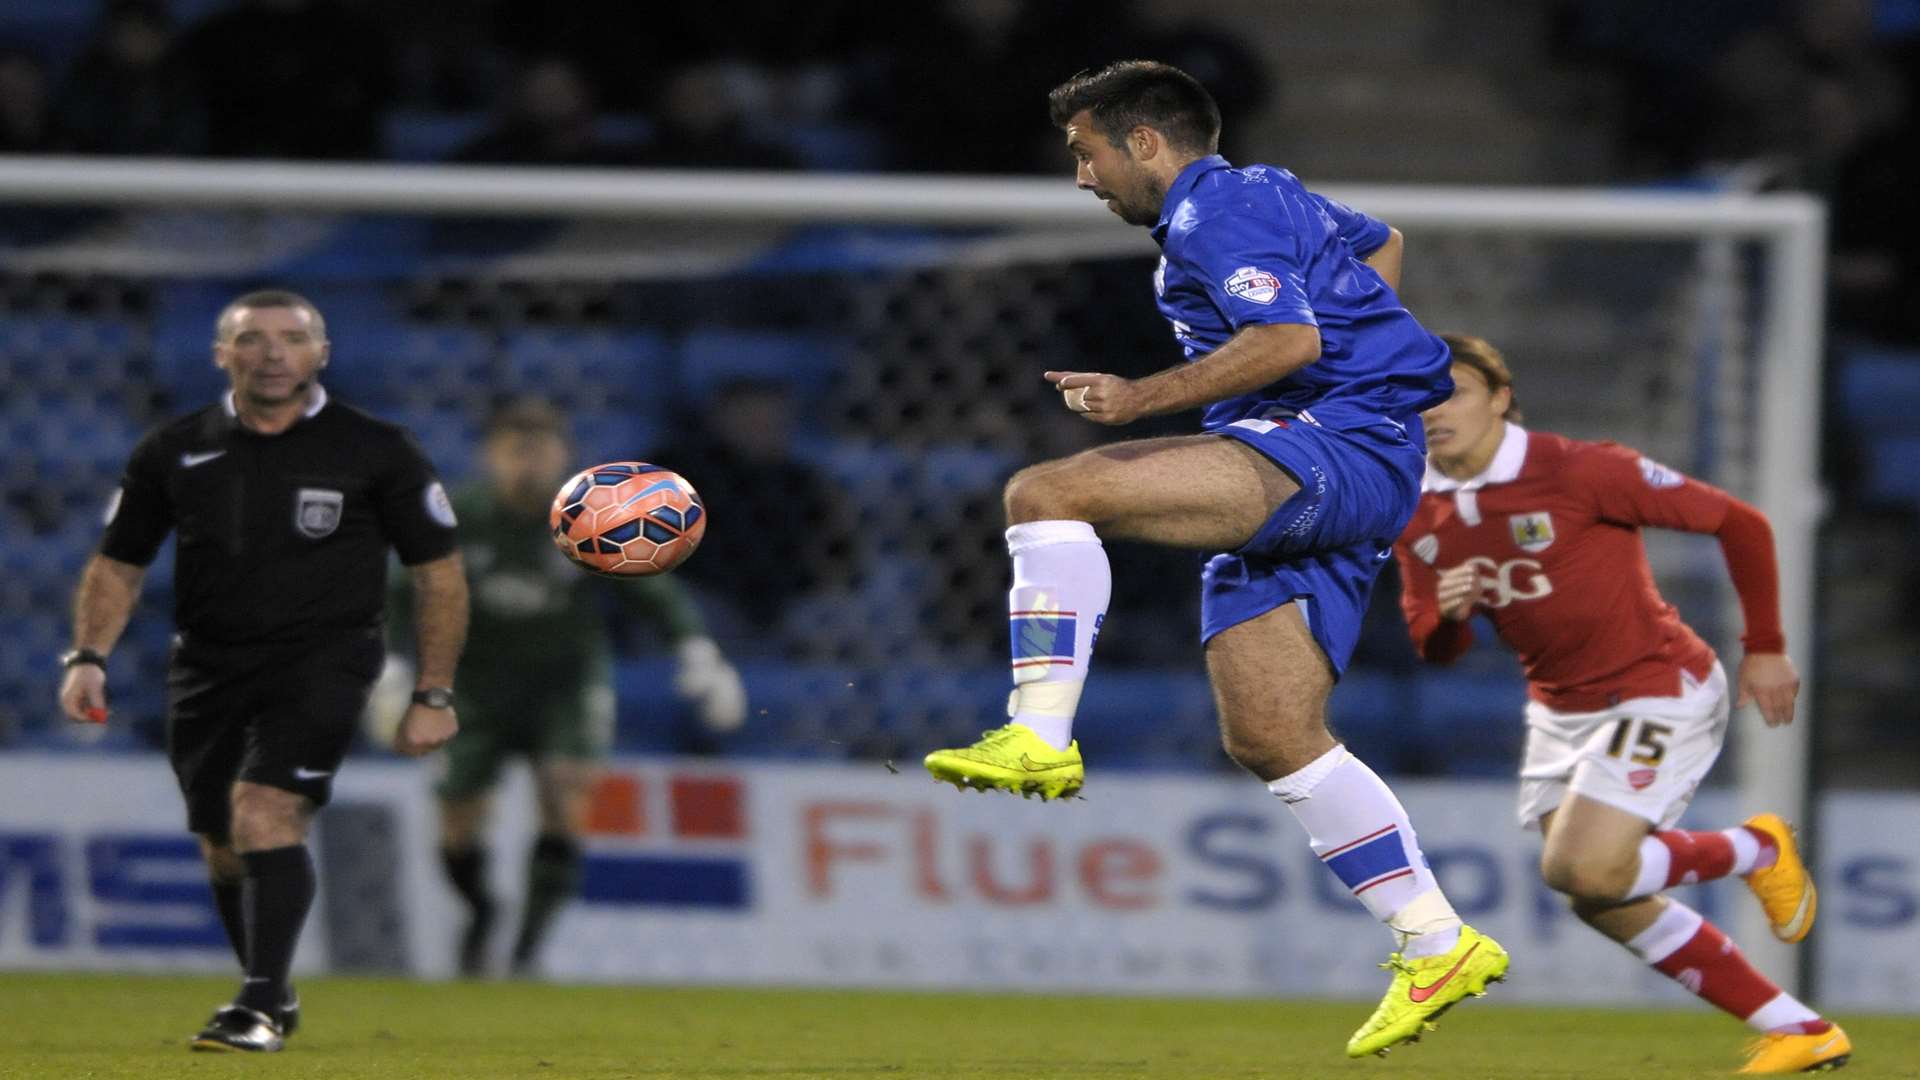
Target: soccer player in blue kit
1313,377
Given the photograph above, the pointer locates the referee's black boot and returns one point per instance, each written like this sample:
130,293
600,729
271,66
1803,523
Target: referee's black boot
236,1027
288,1014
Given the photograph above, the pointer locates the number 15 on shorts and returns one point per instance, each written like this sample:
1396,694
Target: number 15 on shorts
1648,748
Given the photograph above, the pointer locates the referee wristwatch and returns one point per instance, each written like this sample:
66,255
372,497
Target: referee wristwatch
73,658
434,697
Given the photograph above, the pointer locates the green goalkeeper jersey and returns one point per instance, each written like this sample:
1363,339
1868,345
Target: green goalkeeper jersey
537,619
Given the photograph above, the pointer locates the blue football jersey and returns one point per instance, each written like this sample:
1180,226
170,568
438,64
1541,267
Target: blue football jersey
1252,246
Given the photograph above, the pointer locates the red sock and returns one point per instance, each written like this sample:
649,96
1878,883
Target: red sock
1711,966
1704,856
1694,953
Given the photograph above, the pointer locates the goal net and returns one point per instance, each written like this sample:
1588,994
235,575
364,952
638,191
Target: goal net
849,369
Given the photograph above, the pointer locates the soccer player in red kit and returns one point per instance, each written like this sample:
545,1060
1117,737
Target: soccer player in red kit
1627,707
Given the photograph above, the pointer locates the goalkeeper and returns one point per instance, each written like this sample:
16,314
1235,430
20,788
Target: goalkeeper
536,679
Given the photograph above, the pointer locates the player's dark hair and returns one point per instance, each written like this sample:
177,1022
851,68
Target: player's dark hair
1481,355
1132,93
269,298
527,416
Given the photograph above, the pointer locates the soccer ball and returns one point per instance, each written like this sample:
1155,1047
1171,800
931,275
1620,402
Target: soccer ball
627,519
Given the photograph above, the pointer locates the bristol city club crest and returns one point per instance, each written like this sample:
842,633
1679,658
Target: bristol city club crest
1532,532
316,512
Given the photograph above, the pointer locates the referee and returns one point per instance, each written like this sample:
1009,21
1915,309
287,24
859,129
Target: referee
286,505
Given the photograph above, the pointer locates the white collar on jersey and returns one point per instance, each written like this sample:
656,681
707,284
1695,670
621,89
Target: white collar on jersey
1504,468
313,408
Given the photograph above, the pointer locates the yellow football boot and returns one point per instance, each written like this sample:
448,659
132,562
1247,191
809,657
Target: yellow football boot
1785,889
1774,1054
1011,758
1424,988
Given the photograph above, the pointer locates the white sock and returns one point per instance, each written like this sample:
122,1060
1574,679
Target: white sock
1655,861
1061,584
1361,832
1747,851
1673,927
1780,1012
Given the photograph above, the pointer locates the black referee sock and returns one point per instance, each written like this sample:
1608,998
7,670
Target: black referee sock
278,893
227,896
467,869
553,876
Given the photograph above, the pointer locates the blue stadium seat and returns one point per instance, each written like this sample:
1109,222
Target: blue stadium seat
710,357
833,147
1146,719
584,367
63,349
604,435
183,341
1372,713
1880,391
806,711
948,471
1469,723
623,129
54,30
68,439
418,362
1893,469
859,466
421,135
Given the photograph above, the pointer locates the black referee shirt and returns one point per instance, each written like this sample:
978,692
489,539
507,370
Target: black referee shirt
283,538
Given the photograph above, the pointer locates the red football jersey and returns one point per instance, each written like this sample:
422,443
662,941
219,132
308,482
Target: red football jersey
1554,527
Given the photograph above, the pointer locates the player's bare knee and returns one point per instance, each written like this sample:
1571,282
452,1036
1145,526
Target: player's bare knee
1589,910
1050,491
266,818
223,863
1030,496
1586,878
1254,755
1271,754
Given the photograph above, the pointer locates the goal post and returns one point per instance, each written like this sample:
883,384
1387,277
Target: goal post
1761,254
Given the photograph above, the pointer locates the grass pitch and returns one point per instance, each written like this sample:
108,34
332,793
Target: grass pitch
61,1026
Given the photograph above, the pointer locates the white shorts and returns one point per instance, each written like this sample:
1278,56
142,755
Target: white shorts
1646,756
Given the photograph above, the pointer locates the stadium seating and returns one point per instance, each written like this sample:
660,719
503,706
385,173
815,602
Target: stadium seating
1879,391
710,357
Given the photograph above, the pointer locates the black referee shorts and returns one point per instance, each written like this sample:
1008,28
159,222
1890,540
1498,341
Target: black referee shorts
280,716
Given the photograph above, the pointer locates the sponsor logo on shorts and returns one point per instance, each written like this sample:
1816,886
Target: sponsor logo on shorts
1641,779
1254,285
1532,532
113,506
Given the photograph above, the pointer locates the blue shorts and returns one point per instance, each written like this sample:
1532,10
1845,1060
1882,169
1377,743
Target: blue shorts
1326,544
